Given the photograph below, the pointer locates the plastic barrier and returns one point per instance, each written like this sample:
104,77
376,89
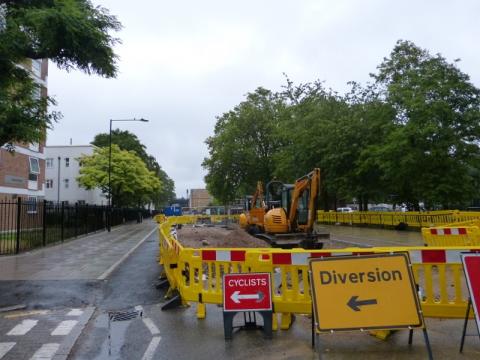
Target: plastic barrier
197,273
457,234
412,219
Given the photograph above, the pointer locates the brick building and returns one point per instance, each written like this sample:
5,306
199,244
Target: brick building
199,198
22,173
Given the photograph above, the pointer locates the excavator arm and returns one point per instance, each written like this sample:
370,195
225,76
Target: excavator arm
310,182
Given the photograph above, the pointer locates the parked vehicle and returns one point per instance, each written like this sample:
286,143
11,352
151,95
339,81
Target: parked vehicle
345,210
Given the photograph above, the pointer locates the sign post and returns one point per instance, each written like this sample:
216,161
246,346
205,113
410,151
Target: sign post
247,292
368,292
471,268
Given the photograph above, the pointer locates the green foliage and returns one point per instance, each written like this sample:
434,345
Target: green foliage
126,140
243,145
132,183
412,135
23,116
435,139
71,33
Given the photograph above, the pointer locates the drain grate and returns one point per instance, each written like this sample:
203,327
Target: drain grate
124,315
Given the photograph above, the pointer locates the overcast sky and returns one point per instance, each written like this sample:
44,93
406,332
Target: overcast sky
182,63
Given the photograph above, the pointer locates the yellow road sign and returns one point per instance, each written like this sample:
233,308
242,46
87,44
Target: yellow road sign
364,292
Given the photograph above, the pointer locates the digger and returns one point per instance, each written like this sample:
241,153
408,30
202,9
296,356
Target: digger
291,224
252,219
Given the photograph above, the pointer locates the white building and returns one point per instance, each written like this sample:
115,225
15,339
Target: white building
62,168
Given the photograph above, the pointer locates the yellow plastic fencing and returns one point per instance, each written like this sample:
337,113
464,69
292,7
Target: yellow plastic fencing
465,233
197,273
411,218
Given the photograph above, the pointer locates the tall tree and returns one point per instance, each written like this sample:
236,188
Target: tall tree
436,134
126,140
132,183
241,151
71,33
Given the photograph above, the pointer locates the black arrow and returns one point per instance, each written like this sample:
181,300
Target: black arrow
354,304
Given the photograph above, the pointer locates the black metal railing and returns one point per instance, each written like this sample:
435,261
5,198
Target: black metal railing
26,225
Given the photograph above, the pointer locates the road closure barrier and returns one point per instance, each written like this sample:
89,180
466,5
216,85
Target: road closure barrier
197,274
394,219
457,234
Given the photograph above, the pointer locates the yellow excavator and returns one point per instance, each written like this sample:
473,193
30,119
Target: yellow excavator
291,224
252,219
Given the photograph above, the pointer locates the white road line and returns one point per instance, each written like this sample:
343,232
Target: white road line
148,355
151,326
24,327
124,257
75,312
5,348
64,327
46,352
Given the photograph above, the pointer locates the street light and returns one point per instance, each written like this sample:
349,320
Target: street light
110,168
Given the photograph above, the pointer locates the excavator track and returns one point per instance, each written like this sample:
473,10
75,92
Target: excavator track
292,240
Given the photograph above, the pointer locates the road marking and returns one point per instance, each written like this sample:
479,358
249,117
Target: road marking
26,313
75,312
151,326
24,327
148,355
46,352
112,268
5,348
64,327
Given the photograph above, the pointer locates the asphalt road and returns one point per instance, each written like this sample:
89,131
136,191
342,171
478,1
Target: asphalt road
178,334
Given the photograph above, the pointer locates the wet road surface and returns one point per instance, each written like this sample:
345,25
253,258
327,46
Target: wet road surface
178,334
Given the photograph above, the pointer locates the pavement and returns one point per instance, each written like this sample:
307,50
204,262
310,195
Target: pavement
107,280
89,257
59,289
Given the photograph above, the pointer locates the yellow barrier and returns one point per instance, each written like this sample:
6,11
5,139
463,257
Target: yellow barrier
412,219
197,273
465,233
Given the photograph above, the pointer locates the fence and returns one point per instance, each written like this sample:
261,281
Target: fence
197,273
466,233
393,219
27,225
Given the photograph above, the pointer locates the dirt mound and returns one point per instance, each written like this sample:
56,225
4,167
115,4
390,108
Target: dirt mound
229,236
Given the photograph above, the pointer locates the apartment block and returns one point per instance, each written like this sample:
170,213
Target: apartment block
62,169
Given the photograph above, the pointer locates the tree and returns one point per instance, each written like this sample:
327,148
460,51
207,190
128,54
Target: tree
71,33
435,137
125,141
241,151
132,183
130,142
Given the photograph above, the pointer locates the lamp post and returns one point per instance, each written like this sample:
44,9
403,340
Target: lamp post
109,222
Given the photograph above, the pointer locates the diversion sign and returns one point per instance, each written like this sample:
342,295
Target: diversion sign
364,292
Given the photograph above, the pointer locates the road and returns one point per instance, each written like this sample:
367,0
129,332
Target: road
176,333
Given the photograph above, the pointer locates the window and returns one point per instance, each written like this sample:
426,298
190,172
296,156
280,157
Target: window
67,162
49,183
67,183
34,166
37,67
31,205
49,163
34,169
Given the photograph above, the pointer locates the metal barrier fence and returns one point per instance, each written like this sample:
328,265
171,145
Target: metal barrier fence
411,219
197,273
26,225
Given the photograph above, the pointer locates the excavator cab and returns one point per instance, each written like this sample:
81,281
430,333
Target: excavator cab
291,224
